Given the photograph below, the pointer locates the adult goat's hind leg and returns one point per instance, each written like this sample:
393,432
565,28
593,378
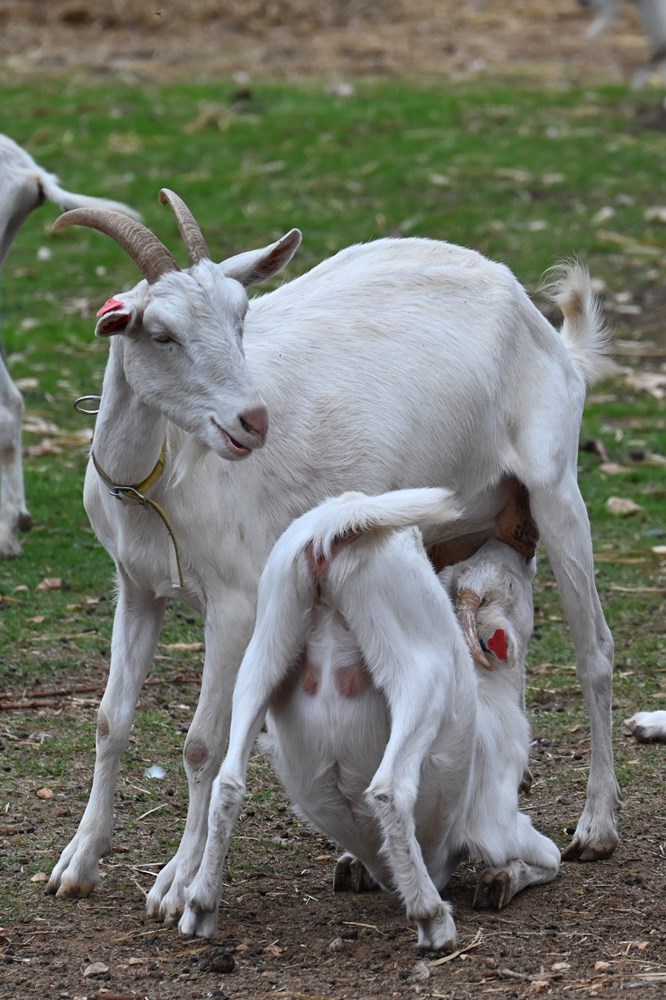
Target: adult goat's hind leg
136,630
561,516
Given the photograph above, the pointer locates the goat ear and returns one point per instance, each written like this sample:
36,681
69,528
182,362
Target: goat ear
115,317
256,265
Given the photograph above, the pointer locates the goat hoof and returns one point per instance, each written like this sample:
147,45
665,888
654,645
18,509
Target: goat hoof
437,933
352,876
525,786
579,851
24,522
493,890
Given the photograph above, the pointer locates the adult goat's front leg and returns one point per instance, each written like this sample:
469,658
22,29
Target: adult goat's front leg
226,637
227,629
265,665
561,515
14,516
136,630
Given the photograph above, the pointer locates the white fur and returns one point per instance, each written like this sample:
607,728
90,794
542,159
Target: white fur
398,363
421,767
24,185
648,727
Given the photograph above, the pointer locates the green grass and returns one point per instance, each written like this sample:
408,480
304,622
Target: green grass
518,174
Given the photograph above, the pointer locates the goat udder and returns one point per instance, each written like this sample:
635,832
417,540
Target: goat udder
352,680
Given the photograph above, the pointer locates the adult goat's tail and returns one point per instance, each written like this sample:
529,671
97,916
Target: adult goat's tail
583,329
66,200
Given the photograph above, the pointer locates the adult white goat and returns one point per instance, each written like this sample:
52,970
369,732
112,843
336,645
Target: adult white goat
398,363
648,727
383,732
24,186
652,14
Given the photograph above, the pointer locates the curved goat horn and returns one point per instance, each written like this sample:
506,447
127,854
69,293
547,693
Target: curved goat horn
467,605
190,233
148,253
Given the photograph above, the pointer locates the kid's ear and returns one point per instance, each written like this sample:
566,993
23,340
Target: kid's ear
115,317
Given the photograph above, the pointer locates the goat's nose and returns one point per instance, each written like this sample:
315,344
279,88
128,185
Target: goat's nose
256,422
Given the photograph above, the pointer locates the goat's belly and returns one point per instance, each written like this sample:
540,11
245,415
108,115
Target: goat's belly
326,752
326,749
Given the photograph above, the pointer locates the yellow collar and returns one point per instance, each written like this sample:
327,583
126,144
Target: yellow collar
136,495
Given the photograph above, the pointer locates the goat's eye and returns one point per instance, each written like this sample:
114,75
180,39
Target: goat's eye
164,338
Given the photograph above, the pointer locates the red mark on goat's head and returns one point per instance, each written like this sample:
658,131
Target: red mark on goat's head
497,644
110,306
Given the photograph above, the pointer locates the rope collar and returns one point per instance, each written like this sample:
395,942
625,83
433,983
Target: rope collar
136,495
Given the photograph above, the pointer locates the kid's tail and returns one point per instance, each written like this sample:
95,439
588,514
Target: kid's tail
353,514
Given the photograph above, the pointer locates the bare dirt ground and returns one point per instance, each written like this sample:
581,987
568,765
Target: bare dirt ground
180,39
600,929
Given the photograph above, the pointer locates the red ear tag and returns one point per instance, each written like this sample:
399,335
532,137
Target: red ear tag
497,644
110,306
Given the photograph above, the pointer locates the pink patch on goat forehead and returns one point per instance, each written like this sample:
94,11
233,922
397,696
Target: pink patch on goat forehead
109,306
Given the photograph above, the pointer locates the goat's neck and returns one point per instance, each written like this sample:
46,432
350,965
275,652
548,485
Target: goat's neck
128,434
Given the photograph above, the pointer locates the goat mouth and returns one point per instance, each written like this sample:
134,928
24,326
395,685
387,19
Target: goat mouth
237,449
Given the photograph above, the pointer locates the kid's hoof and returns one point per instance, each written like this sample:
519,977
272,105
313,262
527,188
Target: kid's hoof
493,890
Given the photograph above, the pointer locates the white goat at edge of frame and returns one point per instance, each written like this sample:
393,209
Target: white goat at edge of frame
398,363
24,186
384,733
648,727
652,14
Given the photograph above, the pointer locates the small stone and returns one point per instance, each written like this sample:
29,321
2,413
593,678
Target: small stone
95,969
622,506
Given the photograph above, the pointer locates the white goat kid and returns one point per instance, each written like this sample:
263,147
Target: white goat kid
648,727
23,187
382,731
399,363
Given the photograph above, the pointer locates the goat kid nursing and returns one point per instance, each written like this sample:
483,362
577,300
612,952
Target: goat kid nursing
383,731
395,364
24,186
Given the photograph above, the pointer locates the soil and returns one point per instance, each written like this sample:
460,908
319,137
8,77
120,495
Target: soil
292,39
599,929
